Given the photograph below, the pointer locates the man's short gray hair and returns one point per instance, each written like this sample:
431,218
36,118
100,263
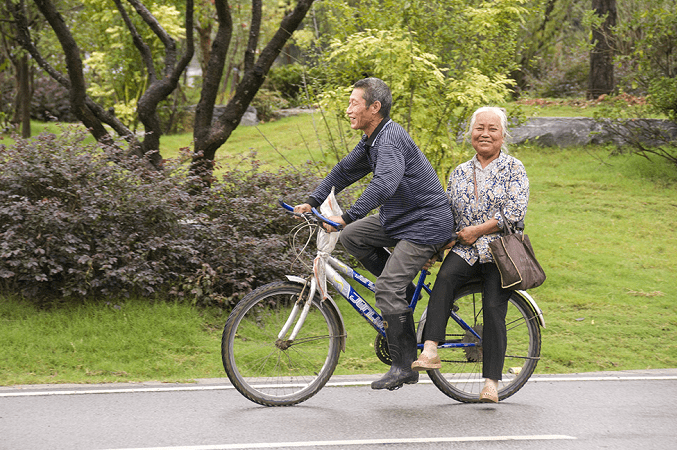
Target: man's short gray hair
502,116
375,89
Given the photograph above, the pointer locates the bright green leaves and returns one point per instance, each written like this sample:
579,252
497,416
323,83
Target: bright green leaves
441,59
116,74
431,105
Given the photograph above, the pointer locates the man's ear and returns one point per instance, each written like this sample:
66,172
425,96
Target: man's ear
376,106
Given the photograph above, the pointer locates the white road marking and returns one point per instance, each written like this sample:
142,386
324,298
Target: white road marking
344,443
17,392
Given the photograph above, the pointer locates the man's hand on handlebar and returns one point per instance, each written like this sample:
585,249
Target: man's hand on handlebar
303,208
338,219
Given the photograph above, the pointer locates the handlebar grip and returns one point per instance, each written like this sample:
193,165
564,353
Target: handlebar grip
319,216
285,206
327,221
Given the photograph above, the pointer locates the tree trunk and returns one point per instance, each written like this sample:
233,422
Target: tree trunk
24,96
207,137
161,87
75,83
91,114
601,78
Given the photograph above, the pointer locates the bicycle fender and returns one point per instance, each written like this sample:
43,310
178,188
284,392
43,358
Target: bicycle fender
534,306
297,279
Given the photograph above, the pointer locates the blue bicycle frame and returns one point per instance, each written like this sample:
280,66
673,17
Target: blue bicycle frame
336,268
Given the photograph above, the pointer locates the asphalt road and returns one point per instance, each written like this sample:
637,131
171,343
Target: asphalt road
614,410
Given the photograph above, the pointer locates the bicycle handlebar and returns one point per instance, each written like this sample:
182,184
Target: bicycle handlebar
316,213
289,208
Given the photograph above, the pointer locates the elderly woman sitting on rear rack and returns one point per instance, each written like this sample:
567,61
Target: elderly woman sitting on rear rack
478,189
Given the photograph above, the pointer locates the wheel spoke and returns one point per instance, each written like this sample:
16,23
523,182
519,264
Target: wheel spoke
274,372
461,374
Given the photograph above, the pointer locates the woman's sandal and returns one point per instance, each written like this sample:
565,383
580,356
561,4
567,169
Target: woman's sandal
489,395
425,363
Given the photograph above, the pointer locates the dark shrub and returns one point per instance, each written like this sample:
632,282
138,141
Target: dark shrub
287,80
50,102
80,221
663,96
267,103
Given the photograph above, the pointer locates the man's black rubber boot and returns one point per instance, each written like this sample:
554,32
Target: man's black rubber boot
401,338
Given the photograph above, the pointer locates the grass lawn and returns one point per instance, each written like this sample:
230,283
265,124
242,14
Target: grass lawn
604,228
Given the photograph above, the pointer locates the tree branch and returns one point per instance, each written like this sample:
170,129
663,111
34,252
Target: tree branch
207,141
77,90
160,89
207,137
138,41
25,40
212,76
254,31
99,113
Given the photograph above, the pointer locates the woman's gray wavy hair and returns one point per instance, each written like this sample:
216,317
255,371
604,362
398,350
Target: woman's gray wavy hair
503,117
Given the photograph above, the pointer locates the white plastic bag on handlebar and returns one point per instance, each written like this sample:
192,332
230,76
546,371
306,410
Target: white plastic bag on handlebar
325,243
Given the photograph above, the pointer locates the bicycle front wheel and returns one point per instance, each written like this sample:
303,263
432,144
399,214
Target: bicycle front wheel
272,371
461,374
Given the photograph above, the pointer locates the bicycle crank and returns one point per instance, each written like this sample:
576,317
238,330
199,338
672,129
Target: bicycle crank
381,349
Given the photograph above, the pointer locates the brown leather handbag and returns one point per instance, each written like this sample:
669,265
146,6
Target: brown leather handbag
515,259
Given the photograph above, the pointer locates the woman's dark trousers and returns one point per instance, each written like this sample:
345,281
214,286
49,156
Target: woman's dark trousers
453,274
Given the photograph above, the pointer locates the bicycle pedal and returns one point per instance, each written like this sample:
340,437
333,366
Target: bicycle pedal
394,388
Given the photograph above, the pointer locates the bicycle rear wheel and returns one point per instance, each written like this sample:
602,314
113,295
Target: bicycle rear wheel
461,374
275,372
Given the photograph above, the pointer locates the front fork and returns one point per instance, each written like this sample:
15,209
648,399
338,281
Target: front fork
302,306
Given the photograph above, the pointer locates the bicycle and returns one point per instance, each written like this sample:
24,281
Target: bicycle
281,343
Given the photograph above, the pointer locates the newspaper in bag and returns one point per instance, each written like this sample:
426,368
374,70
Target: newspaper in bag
325,243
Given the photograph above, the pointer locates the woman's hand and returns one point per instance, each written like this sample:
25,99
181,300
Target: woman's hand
468,235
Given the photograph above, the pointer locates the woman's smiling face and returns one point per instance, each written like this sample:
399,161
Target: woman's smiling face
487,135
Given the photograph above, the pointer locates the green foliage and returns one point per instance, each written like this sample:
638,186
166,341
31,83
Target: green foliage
78,221
646,37
117,76
463,34
431,106
267,103
553,45
628,119
663,96
569,81
288,80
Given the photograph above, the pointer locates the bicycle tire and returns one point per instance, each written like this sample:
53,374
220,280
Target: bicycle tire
461,374
273,373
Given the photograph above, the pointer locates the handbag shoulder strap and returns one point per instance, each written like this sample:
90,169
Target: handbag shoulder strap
474,180
507,229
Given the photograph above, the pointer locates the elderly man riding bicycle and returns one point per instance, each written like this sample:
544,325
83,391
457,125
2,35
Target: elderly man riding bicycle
414,217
